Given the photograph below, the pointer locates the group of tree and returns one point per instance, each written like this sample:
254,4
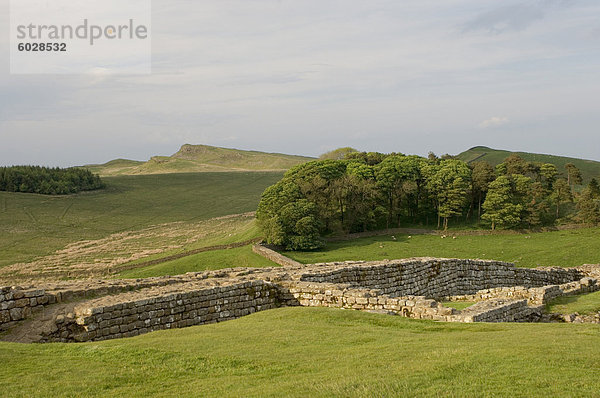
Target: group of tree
350,191
48,181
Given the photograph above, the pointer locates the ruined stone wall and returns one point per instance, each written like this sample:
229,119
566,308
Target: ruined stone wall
99,310
135,313
533,295
436,278
17,304
416,307
272,255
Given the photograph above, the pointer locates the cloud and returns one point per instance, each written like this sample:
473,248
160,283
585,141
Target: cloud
494,121
513,17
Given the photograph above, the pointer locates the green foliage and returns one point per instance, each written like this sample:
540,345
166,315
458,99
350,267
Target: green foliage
367,191
448,182
561,193
500,207
573,174
48,181
589,168
588,208
337,154
594,188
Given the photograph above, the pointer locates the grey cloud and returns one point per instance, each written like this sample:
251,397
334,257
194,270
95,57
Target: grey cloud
513,17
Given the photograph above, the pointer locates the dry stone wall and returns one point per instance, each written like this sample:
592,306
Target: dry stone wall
99,310
272,255
130,314
437,278
17,304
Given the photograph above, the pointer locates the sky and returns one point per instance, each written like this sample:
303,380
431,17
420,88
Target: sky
307,76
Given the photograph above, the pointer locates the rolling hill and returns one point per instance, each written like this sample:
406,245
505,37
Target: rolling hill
201,158
589,168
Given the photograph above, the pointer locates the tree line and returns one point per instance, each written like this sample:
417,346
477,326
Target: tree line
48,181
349,191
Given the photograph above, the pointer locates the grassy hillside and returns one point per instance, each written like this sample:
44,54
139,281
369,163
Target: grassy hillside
557,248
589,168
210,260
316,352
201,158
35,225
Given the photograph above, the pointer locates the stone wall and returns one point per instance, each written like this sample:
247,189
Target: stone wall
17,304
130,314
99,310
534,295
343,296
270,254
499,310
436,278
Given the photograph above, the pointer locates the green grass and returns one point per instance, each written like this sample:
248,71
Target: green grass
589,168
211,260
584,304
557,248
458,305
316,352
35,225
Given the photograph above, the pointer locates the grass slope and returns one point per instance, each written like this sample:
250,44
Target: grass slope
35,225
584,304
316,352
211,260
201,158
568,248
589,168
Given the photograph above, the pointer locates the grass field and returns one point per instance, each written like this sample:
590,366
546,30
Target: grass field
36,225
584,304
316,352
211,260
568,248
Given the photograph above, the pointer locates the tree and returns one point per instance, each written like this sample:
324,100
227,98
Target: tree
448,182
548,172
561,194
499,208
537,205
514,164
588,208
337,154
573,175
391,175
594,188
482,175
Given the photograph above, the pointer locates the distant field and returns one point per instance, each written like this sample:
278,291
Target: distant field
36,225
211,260
568,248
316,352
589,168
